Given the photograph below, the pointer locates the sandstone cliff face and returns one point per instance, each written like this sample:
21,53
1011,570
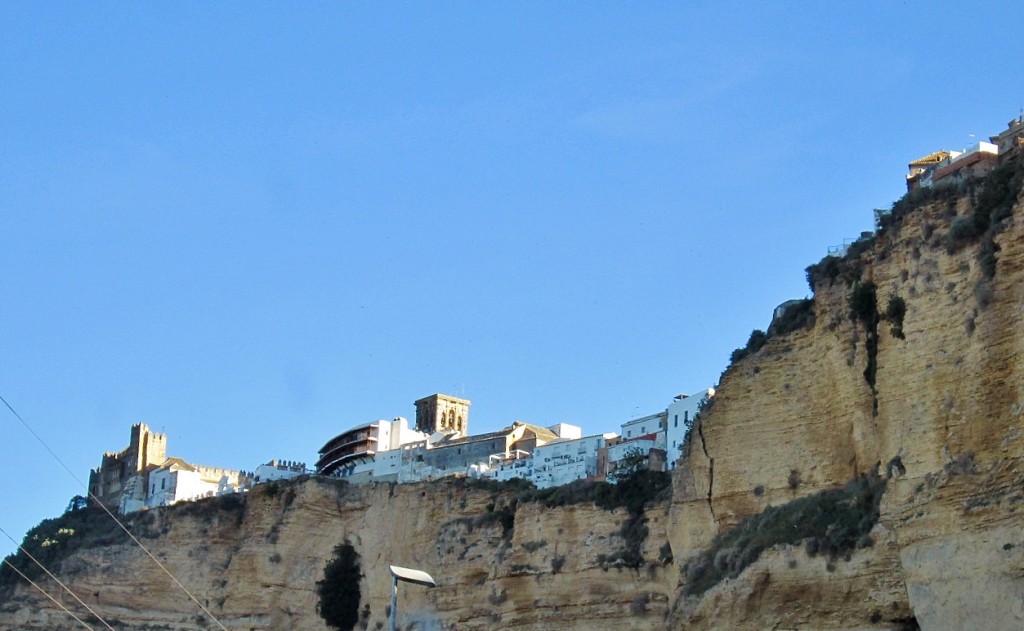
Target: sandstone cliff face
256,566
942,421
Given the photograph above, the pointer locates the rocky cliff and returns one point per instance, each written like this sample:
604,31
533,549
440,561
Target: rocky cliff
255,564
860,468
932,397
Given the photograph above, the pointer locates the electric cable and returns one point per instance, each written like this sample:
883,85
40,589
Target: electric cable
112,516
43,591
57,580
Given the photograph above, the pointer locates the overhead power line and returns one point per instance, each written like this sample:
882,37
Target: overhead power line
117,521
55,579
43,591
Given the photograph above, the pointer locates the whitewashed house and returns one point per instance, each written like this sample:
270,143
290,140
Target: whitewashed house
567,460
679,416
176,481
650,427
278,470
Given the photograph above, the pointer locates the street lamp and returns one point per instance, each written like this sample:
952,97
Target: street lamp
409,576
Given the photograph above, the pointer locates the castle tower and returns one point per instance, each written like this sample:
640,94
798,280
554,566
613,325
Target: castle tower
113,481
442,413
147,448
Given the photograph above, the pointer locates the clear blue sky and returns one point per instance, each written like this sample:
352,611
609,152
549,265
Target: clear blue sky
254,225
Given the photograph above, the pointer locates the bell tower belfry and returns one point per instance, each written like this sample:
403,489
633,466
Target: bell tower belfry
442,413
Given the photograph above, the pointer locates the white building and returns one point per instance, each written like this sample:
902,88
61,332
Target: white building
278,470
680,415
565,430
651,427
620,449
361,452
176,481
567,460
502,467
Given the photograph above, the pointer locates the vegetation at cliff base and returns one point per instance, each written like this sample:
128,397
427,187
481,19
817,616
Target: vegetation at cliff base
832,522
339,590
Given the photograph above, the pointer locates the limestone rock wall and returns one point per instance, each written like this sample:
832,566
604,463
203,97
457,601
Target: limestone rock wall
944,420
256,567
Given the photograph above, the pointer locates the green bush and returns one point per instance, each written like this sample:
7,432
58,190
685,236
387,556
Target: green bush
632,492
633,460
832,522
962,231
827,269
992,211
914,200
53,540
987,256
339,590
703,406
795,317
864,303
998,194
755,342
847,268
895,310
864,308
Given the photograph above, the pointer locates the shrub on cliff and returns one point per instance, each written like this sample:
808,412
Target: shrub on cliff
634,487
795,316
632,492
864,309
339,590
992,211
755,342
832,522
53,540
895,310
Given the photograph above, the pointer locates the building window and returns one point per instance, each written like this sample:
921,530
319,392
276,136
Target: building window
629,433
686,416
675,421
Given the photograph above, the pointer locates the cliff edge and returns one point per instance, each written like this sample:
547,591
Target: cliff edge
860,468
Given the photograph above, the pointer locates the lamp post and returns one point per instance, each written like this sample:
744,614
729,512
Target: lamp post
409,576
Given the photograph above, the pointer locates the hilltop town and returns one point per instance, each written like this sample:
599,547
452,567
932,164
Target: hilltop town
860,468
439,445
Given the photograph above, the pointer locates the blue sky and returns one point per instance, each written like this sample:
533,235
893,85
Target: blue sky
254,225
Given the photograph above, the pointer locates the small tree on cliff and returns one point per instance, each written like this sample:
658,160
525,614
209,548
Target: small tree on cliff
339,591
77,503
632,461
